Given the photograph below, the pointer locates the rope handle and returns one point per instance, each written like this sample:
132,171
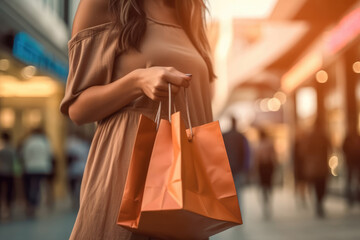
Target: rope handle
157,118
187,109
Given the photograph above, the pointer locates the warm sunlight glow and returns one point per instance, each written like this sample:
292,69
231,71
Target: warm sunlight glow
302,71
306,102
254,9
220,58
35,87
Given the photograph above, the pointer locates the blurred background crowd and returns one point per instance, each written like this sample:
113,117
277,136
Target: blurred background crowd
287,98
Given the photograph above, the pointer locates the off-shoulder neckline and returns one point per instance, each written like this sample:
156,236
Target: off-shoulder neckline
94,30
87,32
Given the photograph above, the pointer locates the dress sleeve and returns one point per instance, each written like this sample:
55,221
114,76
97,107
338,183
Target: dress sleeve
91,59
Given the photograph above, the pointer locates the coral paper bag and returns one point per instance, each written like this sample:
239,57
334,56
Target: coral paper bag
189,191
130,207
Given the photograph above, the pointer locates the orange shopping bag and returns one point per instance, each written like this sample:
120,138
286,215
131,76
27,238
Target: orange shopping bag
189,191
130,207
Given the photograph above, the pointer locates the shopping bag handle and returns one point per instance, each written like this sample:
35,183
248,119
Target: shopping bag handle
158,113
187,109
157,117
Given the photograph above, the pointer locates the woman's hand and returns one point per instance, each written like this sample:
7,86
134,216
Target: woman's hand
98,102
154,81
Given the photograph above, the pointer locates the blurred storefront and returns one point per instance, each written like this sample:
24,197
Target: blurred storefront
33,71
285,66
328,75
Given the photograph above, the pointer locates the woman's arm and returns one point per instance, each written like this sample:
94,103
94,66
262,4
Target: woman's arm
98,102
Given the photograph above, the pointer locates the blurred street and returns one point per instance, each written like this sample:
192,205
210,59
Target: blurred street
288,221
287,98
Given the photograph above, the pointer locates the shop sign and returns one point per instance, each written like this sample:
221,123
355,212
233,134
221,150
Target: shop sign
28,50
346,31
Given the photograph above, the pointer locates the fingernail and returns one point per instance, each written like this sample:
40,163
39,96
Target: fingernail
189,75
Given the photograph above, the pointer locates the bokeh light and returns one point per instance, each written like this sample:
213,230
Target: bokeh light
333,164
4,64
322,76
274,104
356,67
281,96
264,107
28,71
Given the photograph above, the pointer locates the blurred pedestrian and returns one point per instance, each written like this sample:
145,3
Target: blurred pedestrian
238,151
298,166
38,167
77,152
316,168
351,148
265,162
7,162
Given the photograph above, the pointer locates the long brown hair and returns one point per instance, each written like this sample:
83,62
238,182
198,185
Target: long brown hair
130,18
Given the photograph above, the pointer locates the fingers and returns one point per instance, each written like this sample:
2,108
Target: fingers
164,87
163,94
164,91
177,78
157,89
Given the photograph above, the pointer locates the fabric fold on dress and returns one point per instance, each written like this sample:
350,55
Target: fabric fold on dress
91,60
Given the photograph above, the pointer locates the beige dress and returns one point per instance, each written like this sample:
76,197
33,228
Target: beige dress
93,61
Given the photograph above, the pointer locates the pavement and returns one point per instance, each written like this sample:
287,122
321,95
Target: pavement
48,224
291,220
288,221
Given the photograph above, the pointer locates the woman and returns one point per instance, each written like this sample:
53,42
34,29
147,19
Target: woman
122,57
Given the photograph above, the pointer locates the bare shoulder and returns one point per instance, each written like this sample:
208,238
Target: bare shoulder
90,13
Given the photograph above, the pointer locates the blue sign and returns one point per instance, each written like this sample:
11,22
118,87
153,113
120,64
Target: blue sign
28,50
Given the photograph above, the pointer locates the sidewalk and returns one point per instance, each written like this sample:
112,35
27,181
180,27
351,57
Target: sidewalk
289,221
55,224
54,227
